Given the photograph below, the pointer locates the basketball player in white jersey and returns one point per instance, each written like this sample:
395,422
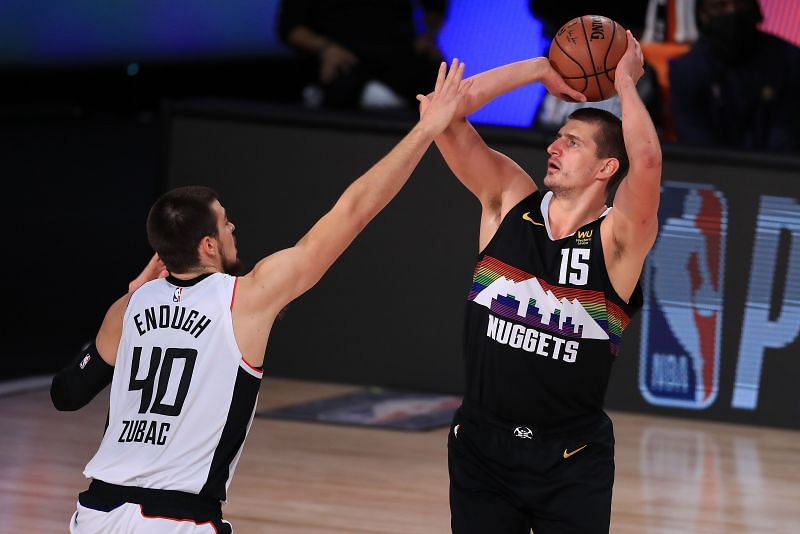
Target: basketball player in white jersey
186,351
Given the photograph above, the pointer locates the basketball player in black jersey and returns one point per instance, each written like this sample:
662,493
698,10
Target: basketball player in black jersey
555,286
186,352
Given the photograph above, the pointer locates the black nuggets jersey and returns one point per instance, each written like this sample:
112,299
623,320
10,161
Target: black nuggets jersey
543,323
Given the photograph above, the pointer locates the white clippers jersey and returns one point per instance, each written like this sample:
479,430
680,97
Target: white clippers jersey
182,398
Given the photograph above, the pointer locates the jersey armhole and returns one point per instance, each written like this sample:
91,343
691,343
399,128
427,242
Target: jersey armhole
251,369
507,217
233,293
635,302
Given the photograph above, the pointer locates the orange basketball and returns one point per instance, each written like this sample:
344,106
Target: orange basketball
585,52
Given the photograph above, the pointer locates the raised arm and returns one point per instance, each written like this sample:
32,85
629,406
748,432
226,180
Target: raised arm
634,219
488,85
497,181
285,275
92,368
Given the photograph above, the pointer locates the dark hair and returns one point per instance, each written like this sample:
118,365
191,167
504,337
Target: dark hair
177,222
609,139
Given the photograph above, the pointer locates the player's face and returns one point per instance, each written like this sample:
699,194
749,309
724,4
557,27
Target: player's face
227,242
573,159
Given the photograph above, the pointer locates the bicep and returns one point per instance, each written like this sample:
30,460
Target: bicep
110,332
288,273
634,219
638,195
494,178
93,368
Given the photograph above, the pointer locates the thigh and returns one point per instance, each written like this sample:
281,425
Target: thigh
477,503
579,500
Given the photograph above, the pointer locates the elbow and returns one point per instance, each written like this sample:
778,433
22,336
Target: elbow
473,100
649,159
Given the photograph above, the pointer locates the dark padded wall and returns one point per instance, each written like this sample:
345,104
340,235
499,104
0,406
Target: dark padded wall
78,190
390,311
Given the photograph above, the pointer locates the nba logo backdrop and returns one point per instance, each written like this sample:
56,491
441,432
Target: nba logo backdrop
683,298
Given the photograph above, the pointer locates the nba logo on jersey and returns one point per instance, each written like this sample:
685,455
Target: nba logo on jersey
682,314
176,297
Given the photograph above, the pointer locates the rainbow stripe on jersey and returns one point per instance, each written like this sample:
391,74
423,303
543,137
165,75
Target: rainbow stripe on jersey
572,313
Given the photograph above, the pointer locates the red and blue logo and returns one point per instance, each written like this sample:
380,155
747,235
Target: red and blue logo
683,298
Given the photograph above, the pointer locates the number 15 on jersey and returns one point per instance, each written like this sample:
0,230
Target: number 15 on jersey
574,266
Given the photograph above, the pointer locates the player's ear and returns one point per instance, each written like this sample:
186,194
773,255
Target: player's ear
610,166
207,246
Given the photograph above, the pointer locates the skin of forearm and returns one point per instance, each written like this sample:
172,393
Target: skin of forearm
372,192
641,139
490,84
452,142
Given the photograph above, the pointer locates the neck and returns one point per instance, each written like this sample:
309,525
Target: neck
568,212
194,273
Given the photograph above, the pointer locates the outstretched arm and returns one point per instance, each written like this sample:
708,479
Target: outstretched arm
285,275
492,177
488,85
634,219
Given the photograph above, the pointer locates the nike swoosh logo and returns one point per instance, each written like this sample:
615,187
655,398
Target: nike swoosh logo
527,217
576,451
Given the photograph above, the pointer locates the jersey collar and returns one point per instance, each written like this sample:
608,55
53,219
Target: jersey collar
187,283
545,207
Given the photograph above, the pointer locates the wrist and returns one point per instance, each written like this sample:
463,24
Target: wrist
423,131
538,67
623,80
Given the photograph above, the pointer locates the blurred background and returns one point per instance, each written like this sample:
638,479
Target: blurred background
279,104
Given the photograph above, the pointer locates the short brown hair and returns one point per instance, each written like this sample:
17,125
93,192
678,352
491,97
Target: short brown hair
609,140
177,222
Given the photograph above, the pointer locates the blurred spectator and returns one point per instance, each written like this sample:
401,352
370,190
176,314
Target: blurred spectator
630,14
737,87
367,53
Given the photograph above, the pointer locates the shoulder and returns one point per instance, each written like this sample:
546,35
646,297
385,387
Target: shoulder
530,203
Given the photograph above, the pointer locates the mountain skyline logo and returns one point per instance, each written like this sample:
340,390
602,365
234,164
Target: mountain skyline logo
570,314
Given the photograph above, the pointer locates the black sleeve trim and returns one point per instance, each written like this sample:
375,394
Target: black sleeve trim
79,382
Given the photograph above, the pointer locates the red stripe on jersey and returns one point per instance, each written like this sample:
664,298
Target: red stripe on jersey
251,366
233,295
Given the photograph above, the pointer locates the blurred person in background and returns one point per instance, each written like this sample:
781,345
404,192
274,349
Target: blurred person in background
365,53
737,87
631,15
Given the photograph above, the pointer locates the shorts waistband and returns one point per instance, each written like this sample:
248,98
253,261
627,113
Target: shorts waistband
178,504
577,425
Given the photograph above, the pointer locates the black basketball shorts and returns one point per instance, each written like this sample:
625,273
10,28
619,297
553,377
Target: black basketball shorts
510,478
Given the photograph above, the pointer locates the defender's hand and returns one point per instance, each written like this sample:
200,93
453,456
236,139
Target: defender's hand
154,269
437,110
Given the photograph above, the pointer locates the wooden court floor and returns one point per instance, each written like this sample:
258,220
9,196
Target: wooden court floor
673,476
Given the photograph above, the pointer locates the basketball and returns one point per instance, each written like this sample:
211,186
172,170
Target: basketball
585,52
